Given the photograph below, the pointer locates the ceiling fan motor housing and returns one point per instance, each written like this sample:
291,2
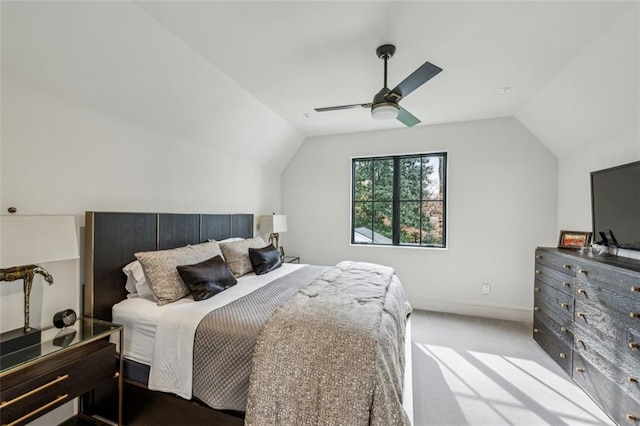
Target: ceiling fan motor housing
383,108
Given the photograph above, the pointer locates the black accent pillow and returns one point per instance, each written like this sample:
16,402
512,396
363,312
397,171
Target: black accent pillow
208,278
264,259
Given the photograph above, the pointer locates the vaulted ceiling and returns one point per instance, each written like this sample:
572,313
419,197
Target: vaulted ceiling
207,69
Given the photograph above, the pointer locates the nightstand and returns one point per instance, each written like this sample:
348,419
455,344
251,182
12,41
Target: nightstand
291,259
37,379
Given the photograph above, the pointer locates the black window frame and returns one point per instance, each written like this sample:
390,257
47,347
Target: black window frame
397,201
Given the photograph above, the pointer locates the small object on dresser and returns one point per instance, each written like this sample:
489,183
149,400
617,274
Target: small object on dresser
574,239
64,318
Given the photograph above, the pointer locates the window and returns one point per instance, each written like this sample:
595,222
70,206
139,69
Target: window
399,200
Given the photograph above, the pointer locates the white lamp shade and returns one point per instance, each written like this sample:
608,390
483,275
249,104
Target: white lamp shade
273,224
29,240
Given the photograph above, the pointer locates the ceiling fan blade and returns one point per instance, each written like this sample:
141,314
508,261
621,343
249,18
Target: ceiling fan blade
335,108
406,118
416,79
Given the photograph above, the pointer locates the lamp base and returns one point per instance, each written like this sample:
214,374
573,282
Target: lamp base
15,340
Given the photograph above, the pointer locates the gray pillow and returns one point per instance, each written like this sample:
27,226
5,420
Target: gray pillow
236,254
160,269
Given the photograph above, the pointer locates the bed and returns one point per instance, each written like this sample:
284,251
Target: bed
111,241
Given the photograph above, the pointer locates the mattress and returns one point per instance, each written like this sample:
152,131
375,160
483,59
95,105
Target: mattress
140,315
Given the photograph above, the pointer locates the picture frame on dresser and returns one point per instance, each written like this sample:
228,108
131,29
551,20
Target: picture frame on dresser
574,239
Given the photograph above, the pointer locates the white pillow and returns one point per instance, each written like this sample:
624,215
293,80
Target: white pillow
136,285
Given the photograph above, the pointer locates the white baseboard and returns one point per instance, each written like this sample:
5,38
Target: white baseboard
510,313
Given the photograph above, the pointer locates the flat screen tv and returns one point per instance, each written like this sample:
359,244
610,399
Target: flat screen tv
615,206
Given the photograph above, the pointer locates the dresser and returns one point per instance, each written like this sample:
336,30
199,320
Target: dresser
587,318
64,365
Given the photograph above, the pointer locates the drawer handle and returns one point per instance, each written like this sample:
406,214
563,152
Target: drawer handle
634,314
565,266
632,379
538,256
582,315
535,308
563,329
5,404
538,271
582,271
536,289
579,342
563,355
580,369
633,345
632,417
582,291
564,305
635,289
535,330
44,407
566,284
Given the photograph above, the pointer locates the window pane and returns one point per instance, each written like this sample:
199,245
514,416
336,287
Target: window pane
433,223
432,181
363,180
383,180
410,171
363,222
410,222
382,224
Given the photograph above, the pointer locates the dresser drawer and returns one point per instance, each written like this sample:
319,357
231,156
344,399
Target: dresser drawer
623,284
618,402
555,279
627,379
594,344
559,263
609,330
553,303
44,386
554,345
562,331
610,300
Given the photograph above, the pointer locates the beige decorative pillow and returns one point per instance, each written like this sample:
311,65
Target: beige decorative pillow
160,268
236,254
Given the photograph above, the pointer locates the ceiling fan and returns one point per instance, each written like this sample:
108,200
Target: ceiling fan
385,102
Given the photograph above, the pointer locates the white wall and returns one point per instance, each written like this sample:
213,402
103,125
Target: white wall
502,204
589,116
62,158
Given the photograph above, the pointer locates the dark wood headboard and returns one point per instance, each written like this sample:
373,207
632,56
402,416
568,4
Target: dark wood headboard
113,238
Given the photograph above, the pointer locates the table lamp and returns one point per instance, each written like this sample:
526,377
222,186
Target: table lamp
27,241
273,225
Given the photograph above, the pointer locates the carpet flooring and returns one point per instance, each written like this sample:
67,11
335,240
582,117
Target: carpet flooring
480,371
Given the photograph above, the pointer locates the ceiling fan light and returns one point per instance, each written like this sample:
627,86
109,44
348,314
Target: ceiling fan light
385,111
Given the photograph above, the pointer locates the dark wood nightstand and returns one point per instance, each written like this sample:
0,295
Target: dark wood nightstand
291,259
66,364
